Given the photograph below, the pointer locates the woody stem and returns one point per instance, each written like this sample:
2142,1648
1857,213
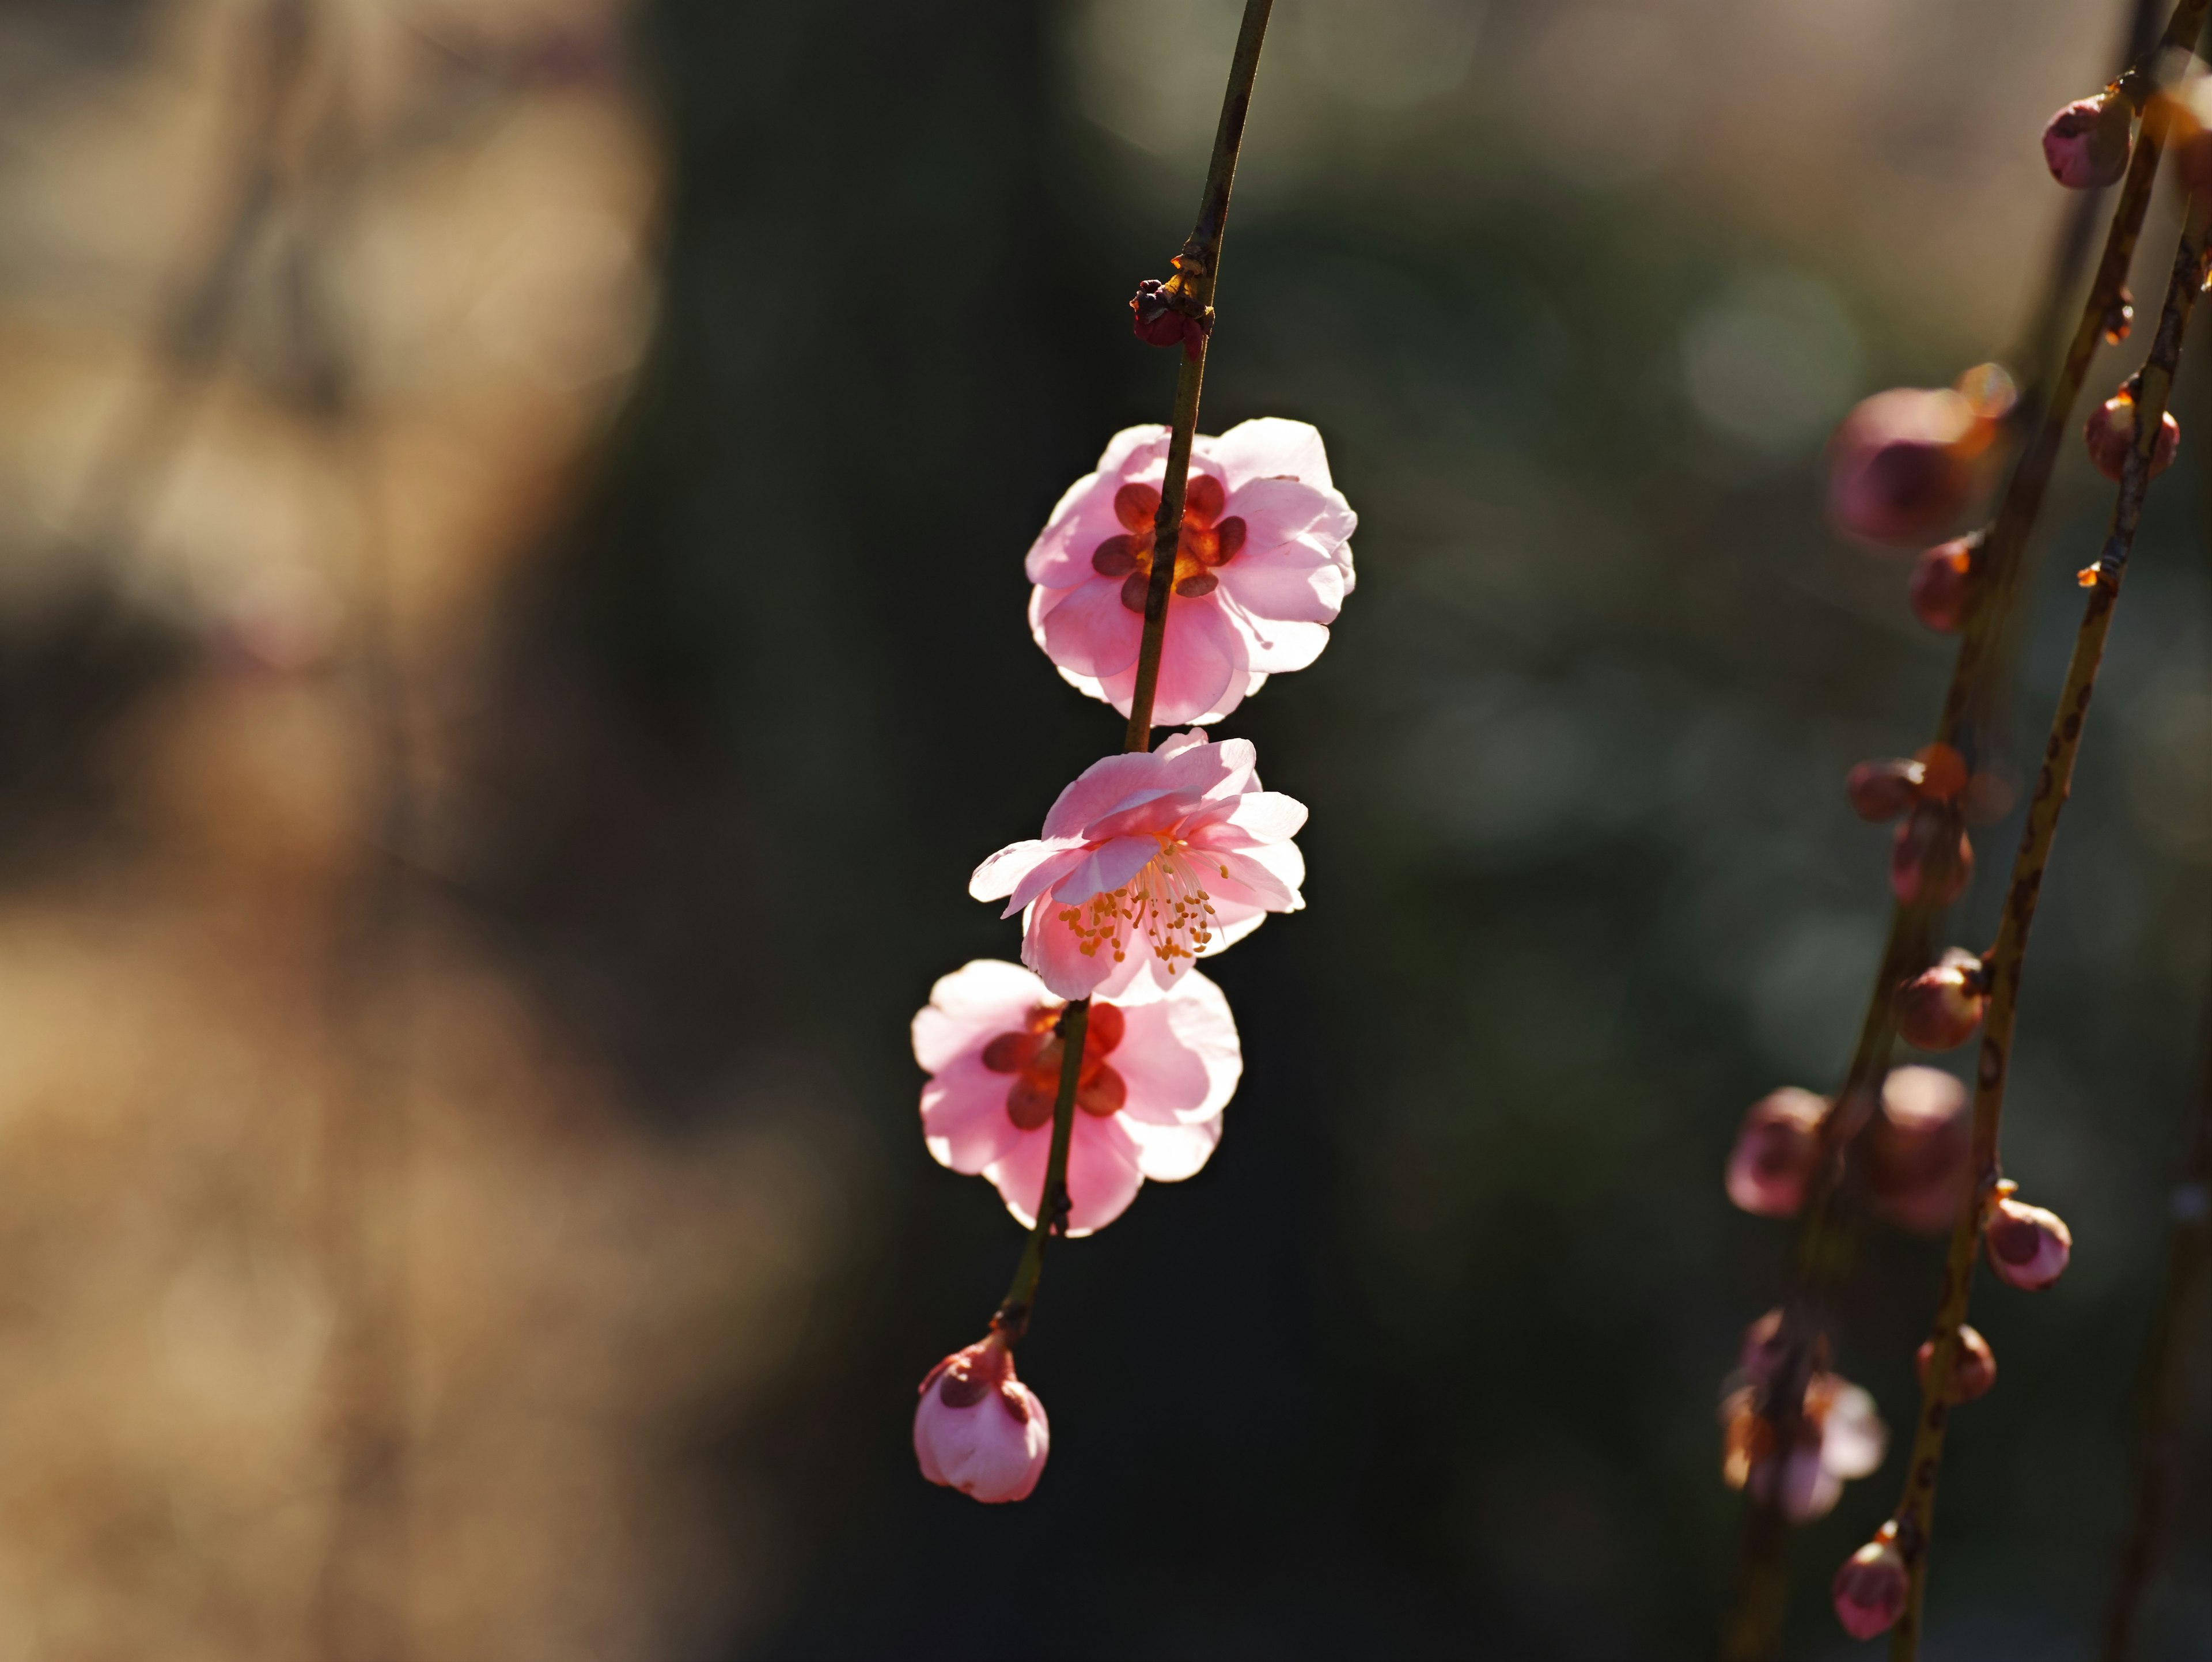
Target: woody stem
2006,959
1979,676
1200,263
1013,1316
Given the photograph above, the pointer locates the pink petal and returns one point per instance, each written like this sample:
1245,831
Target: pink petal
1052,949
1853,1438
1256,817
1179,1053
1105,868
970,1007
1281,516
1103,1174
1090,631
1108,784
1203,662
1169,1154
1266,447
1083,517
1249,880
963,1116
1005,872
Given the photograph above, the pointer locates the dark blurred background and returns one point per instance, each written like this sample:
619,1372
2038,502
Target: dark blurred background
512,626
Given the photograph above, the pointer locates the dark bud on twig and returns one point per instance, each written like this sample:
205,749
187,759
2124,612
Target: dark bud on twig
1939,1008
1943,583
1931,859
1973,1374
2028,1247
1879,791
1775,1153
1169,314
1913,1156
2111,434
2085,144
1870,1590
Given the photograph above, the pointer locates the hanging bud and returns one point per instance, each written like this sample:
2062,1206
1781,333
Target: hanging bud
2028,1247
1926,866
1912,1157
1871,1588
1972,1375
1943,583
978,1428
1902,463
1775,1153
2085,144
1882,790
1939,1008
2111,434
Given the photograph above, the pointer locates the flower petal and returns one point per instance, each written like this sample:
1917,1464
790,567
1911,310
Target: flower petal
1169,1154
1179,1054
1055,953
1003,872
1265,447
1083,516
1090,631
1105,868
963,1116
970,1007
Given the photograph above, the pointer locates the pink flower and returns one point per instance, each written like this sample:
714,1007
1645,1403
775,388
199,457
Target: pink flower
1870,1589
1158,1067
1147,861
1839,1437
1262,568
978,1428
1775,1153
2085,144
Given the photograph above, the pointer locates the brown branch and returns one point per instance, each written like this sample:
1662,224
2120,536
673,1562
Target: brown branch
1196,266
1978,675
2007,959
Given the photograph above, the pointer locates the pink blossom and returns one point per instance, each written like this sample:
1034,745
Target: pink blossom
1147,861
1839,1437
1158,1067
1263,565
1870,1590
2085,144
1913,1155
978,1428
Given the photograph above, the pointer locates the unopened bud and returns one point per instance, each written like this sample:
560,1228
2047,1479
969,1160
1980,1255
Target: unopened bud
1871,1588
1972,1373
2085,144
978,1428
2028,1247
2111,434
1939,1008
1943,582
1775,1153
1925,865
1882,790
1901,465
1912,1157
1169,313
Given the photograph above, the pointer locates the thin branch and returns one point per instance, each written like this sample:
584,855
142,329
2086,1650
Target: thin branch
1978,675
1197,267
2008,957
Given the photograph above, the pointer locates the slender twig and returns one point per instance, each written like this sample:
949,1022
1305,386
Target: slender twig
2007,959
2162,1391
1198,265
1978,674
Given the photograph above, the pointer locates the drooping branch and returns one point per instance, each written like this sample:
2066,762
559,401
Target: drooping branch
2006,959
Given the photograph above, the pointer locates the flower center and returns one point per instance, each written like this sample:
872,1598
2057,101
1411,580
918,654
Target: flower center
1205,541
1033,1054
1165,903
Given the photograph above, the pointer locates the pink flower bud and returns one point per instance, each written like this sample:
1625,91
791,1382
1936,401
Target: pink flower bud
1901,465
1775,1153
2085,144
978,1428
1939,1008
1871,1588
1912,1157
2028,1247
2111,434
1943,583
1972,1375
1169,313
1882,790
1925,865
